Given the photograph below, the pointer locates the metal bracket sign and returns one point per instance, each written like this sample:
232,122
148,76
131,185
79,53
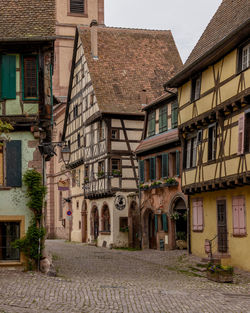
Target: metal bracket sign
63,185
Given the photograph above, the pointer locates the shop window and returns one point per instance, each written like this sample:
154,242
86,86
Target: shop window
198,223
8,77
239,216
174,114
151,124
77,6
30,77
163,119
105,219
9,232
212,142
196,88
190,153
11,163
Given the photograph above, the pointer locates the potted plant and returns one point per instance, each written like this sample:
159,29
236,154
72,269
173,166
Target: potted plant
86,180
175,216
100,174
116,173
220,273
171,181
181,240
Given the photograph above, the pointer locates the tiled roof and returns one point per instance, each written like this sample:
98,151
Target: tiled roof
27,19
157,141
129,61
230,15
166,96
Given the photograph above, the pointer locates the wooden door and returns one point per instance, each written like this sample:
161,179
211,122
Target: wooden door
222,226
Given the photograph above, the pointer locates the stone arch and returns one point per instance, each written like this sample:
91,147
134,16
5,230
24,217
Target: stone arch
94,221
105,218
175,198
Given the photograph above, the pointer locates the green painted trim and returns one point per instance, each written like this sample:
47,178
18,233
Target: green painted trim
37,78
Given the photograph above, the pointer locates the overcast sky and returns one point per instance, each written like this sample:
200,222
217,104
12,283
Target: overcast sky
187,19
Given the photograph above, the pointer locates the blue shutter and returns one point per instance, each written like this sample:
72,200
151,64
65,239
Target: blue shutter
141,171
164,166
156,223
14,163
8,77
164,222
177,163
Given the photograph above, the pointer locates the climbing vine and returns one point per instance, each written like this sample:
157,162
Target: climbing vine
32,243
5,127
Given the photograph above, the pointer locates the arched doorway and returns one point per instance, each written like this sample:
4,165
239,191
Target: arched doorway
95,222
84,221
179,214
149,234
105,217
134,226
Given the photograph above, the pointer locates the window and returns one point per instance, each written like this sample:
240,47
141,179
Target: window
60,205
73,178
9,232
174,114
244,58
196,88
30,77
151,124
101,133
152,173
198,223
11,163
105,219
77,6
164,222
175,163
101,170
163,119
79,178
8,77
91,99
199,137
78,140
190,152
247,132
239,216
75,111
212,141
115,133
116,165
141,171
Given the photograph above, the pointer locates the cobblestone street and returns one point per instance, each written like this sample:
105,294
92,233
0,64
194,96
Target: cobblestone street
92,279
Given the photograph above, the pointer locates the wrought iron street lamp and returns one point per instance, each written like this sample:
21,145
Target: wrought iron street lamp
65,154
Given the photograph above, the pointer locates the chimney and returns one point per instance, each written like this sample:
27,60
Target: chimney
94,39
101,12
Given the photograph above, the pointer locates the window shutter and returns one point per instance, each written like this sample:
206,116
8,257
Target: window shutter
195,216
156,223
8,77
198,222
174,116
241,131
77,6
163,120
200,216
188,154
239,218
141,170
165,222
152,168
165,165
177,163
14,163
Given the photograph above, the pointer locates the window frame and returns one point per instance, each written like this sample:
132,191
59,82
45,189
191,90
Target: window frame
193,151
240,57
37,77
214,143
194,94
117,132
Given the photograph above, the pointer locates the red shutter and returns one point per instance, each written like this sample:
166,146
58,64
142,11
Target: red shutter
241,131
239,218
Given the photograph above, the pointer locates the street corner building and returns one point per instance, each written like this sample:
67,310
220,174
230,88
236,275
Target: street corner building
27,34
214,118
163,205
114,71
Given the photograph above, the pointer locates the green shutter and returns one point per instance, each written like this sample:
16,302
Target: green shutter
152,169
177,163
156,223
163,120
14,163
141,171
8,77
151,124
164,222
174,114
164,165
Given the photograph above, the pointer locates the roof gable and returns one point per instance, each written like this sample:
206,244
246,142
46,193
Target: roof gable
129,61
27,20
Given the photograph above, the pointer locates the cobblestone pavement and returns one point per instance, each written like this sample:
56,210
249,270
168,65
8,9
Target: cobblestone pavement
92,279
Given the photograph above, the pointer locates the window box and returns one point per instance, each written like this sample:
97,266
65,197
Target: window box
100,174
219,273
156,184
170,182
144,187
116,173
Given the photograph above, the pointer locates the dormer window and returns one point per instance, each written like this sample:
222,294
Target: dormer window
196,88
77,6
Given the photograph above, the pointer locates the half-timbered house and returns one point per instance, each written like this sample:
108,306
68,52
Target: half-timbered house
214,106
27,35
163,205
114,71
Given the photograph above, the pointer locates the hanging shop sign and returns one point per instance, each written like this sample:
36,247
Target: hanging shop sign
63,185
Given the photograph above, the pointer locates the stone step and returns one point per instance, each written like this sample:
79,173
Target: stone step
198,268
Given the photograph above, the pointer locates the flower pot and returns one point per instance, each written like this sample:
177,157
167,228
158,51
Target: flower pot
181,244
220,276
